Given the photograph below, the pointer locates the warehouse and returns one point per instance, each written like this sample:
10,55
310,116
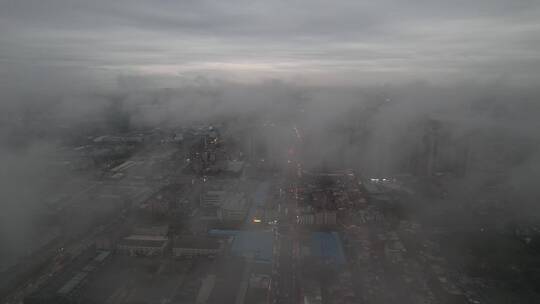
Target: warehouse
191,246
234,208
143,245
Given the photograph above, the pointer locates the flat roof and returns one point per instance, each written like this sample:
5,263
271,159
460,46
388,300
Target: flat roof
74,282
327,246
102,256
235,202
258,244
144,241
196,242
235,166
206,289
215,192
223,232
146,237
158,230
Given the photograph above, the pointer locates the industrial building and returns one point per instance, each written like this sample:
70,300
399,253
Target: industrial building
192,246
326,247
206,289
165,201
249,244
234,168
65,288
159,230
234,208
110,139
143,245
212,198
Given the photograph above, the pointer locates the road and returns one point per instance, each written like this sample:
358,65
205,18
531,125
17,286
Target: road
285,281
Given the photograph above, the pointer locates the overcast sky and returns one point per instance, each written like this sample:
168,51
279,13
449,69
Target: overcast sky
309,40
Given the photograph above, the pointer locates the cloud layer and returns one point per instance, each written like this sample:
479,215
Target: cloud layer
322,41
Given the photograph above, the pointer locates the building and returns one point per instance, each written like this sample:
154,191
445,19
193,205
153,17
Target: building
71,288
327,248
191,246
108,238
234,208
311,292
159,230
249,244
123,166
235,167
206,289
68,293
212,198
166,201
143,245
109,139
65,287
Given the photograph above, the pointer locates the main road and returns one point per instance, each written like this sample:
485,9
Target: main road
285,280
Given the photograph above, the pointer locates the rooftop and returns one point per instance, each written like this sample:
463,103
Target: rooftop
144,241
256,244
235,166
327,246
102,255
160,230
74,282
196,242
206,289
235,202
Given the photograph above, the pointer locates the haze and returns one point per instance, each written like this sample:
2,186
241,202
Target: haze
269,151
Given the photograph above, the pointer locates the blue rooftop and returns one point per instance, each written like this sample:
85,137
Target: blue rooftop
261,194
257,244
327,246
223,232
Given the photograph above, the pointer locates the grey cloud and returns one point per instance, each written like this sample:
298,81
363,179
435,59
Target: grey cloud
430,39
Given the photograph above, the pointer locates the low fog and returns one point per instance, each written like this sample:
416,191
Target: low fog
373,129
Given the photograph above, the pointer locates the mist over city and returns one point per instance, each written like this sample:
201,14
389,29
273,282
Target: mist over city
269,152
